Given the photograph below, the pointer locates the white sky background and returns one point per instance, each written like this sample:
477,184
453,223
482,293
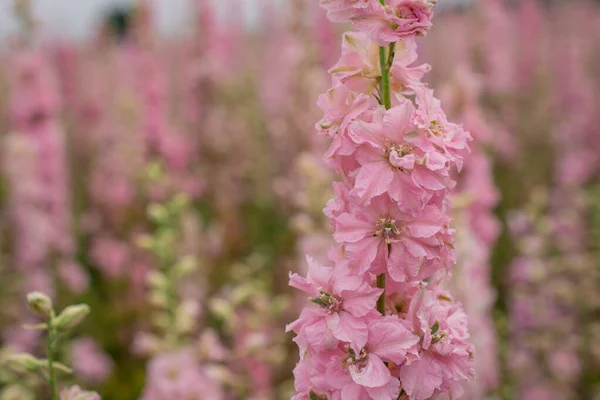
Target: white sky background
77,18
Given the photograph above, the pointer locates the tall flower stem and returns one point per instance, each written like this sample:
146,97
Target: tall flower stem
385,79
51,371
386,58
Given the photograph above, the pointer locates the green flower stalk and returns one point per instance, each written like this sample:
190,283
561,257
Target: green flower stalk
55,327
174,317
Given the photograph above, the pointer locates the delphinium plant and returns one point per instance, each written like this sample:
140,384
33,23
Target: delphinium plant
377,324
176,287
250,313
46,372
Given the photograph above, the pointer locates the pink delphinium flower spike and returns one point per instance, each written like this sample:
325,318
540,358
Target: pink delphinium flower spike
363,336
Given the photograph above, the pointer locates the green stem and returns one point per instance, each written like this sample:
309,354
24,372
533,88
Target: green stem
51,370
384,87
381,300
386,59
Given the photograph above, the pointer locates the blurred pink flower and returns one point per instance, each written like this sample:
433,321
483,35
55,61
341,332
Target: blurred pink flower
396,20
76,393
74,276
89,361
178,375
110,256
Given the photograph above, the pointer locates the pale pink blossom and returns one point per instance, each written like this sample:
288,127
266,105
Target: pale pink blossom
342,302
359,67
178,375
341,106
110,255
398,157
74,276
446,354
382,237
363,373
76,393
343,10
396,20
89,361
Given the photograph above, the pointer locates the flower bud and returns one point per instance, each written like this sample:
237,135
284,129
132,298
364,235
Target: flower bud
158,213
158,280
162,320
57,366
218,373
179,202
145,242
154,171
185,266
40,304
159,298
222,308
16,392
24,362
71,317
186,316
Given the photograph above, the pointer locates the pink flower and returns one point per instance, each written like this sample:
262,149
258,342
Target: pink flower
74,276
446,355
450,137
35,98
396,20
110,255
382,237
403,76
341,106
342,303
359,66
178,375
398,157
310,374
339,203
76,393
89,360
343,10
363,373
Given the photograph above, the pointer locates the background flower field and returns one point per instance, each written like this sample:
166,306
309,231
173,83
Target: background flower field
172,184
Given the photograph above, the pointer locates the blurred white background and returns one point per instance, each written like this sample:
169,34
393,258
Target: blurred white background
77,18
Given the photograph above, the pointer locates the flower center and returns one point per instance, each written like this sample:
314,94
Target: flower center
359,361
436,334
400,149
436,128
328,301
386,227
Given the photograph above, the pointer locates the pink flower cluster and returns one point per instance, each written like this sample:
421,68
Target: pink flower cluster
76,393
178,375
384,23
359,337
